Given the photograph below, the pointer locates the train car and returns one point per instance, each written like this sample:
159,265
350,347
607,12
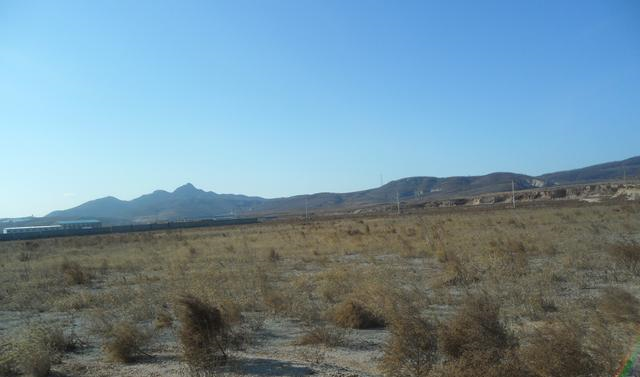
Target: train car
31,229
80,224
87,227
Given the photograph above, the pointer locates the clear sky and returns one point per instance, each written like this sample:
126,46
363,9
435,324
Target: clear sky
275,98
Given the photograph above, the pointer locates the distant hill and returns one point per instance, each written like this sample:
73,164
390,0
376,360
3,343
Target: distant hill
188,202
596,173
407,189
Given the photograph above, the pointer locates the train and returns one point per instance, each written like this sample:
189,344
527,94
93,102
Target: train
31,229
60,225
68,229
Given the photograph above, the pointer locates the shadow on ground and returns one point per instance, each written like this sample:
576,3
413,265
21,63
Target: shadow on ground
269,367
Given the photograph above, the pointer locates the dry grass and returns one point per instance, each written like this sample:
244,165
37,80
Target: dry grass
354,315
33,350
163,320
273,256
73,273
481,363
473,342
537,265
124,343
556,349
203,335
322,335
412,348
475,328
619,305
628,256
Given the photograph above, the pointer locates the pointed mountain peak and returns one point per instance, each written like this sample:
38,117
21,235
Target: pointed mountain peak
107,199
186,189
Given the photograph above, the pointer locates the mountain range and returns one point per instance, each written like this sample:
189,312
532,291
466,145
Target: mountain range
189,202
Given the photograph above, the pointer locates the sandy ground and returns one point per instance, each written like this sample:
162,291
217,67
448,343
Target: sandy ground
273,352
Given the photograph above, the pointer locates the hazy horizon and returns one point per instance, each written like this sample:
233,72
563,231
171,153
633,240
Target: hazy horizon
272,197
284,98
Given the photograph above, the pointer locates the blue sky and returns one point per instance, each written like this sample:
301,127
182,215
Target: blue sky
275,98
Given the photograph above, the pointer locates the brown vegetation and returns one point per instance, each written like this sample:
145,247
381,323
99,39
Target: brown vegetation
412,348
628,256
475,328
354,315
556,350
324,335
481,291
124,342
203,335
33,350
619,305
163,320
73,273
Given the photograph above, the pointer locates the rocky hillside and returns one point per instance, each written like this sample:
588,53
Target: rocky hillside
594,192
188,202
596,173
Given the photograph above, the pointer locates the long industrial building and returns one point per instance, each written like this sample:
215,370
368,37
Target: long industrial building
60,225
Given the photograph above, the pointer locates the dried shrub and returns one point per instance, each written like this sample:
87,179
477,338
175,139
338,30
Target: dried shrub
627,255
231,312
556,350
605,342
24,256
276,302
482,363
273,256
73,273
286,302
459,270
509,259
354,232
412,348
77,301
387,300
333,284
477,343
54,338
326,335
34,359
7,364
619,305
203,335
537,305
354,315
163,320
34,350
31,245
124,342
100,322
475,327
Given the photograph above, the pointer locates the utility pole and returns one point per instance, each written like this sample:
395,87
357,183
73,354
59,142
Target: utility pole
398,201
306,208
381,181
513,194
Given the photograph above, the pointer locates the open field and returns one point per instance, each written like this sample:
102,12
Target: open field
540,291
